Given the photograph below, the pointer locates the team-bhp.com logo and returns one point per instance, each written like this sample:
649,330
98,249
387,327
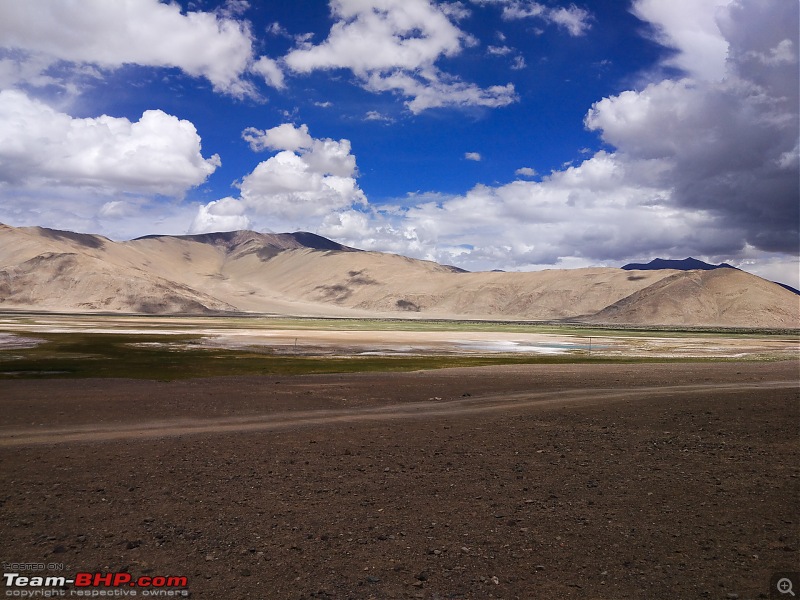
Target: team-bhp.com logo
94,585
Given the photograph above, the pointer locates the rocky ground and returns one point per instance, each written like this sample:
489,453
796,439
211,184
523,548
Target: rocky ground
537,481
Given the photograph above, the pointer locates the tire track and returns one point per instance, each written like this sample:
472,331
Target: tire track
518,401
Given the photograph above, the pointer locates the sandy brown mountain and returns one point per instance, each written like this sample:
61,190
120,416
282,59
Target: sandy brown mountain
304,274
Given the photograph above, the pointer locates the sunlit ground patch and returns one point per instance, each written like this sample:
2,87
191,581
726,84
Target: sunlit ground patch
11,341
175,348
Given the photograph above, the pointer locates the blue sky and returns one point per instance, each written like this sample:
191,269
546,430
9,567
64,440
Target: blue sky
513,134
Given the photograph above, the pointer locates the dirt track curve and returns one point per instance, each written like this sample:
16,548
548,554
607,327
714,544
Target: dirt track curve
393,412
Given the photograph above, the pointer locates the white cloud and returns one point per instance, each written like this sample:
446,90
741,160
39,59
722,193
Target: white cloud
158,154
306,180
577,21
270,71
690,27
392,46
602,211
380,36
93,210
374,115
221,215
143,32
276,28
116,209
729,144
282,137
431,91
455,10
784,52
499,50
475,156
232,9
704,166
520,9
773,268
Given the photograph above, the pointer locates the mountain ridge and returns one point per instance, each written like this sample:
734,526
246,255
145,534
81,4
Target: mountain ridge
302,274
298,239
685,264
689,264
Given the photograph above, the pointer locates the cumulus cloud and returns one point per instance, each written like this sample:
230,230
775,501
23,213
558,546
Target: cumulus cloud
699,165
158,154
705,164
475,156
270,71
729,146
393,46
221,215
282,137
143,32
601,210
691,28
306,180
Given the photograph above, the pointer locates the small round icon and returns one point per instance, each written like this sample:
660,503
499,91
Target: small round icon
784,586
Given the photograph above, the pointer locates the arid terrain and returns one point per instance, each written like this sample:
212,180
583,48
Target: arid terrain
529,481
302,274
418,432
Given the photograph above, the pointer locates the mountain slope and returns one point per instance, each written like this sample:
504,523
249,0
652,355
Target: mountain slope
724,297
72,281
305,274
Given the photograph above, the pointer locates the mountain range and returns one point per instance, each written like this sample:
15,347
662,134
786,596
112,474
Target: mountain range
686,264
304,274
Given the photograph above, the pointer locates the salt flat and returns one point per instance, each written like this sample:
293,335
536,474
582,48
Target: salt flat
356,336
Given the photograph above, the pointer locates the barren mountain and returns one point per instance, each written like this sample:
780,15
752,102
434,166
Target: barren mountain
721,297
305,274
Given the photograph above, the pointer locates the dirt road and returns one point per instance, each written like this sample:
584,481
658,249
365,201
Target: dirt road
506,402
568,481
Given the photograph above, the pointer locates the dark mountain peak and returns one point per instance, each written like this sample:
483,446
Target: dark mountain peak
238,240
89,240
687,264
317,242
788,287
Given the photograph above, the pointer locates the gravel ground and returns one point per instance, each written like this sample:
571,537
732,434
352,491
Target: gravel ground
535,481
